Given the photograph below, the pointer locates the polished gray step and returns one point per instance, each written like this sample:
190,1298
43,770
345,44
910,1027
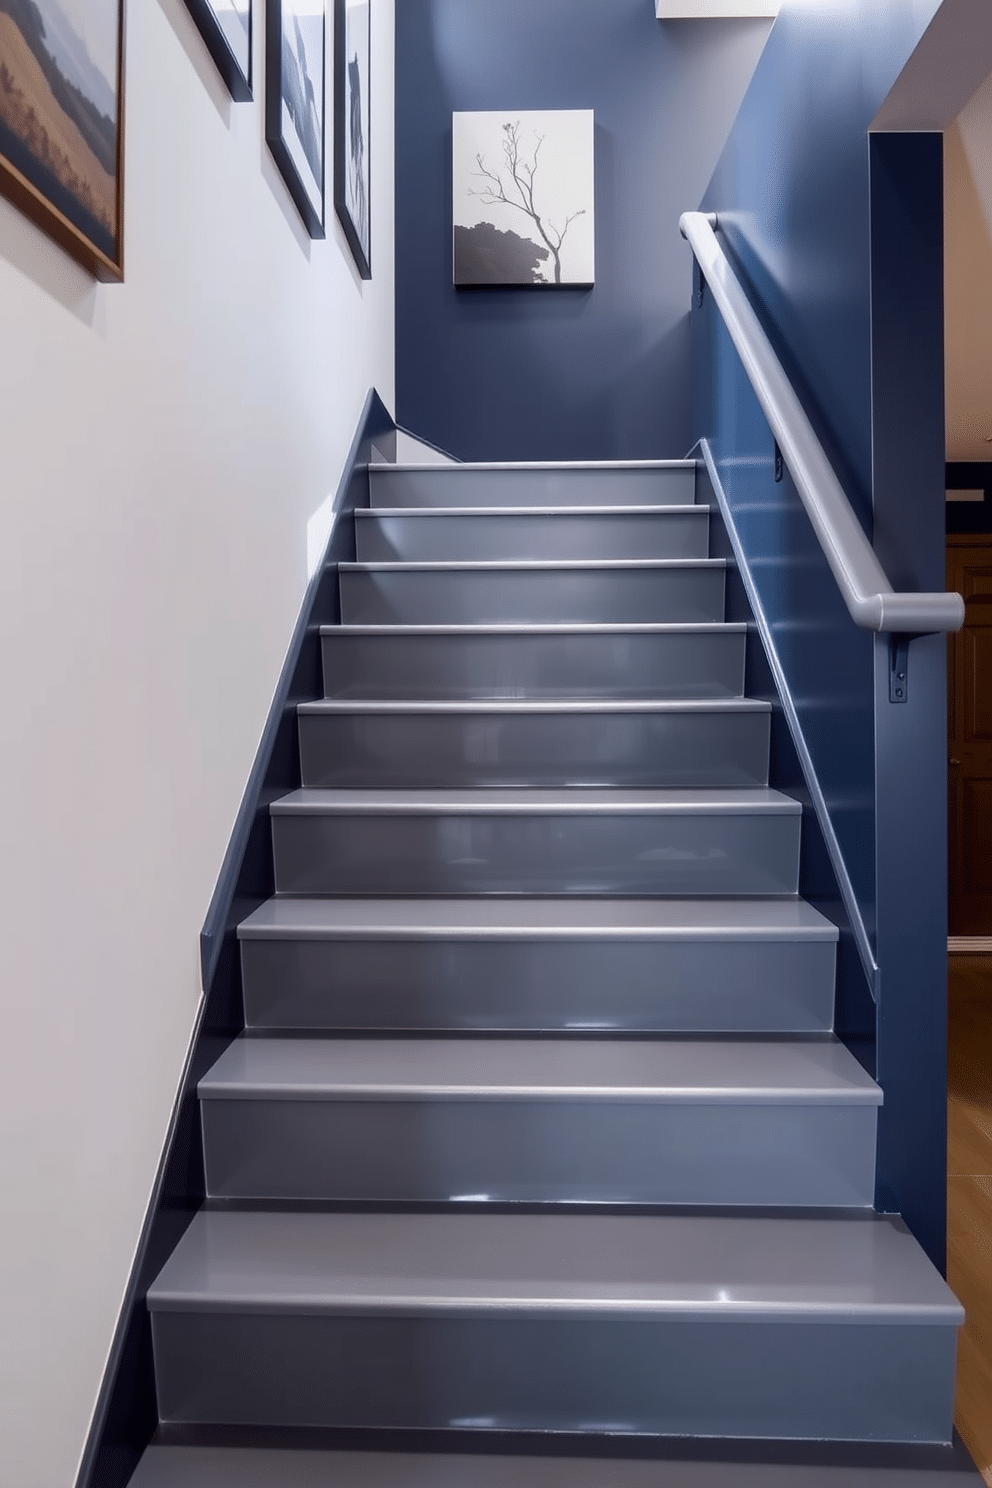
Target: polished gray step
651,592
620,965
649,1121
752,1326
684,1466
505,534
509,841
526,742
601,483
563,661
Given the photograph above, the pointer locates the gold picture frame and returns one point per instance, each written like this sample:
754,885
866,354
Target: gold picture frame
62,124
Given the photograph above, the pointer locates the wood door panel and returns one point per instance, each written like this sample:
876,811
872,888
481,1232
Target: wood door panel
976,847
969,570
978,693
977,586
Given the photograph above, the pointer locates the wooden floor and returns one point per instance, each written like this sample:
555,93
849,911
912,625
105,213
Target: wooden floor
969,1194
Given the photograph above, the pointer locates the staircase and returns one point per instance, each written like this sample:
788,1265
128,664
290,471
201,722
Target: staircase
538,1123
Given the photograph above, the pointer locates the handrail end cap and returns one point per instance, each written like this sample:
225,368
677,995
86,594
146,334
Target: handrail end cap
910,613
709,217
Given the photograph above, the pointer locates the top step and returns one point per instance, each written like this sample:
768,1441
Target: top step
597,483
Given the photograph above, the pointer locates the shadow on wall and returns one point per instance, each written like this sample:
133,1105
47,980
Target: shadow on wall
182,23
37,259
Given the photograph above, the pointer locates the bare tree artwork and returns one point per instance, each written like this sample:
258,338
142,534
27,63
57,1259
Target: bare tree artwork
512,185
538,164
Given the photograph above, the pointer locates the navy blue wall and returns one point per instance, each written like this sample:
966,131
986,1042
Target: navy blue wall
792,188
532,374
838,236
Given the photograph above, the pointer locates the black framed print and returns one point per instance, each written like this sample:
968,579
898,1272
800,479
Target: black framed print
225,26
352,157
62,124
295,69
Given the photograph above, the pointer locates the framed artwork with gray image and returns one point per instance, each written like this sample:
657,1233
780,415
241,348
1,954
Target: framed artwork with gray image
523,198
352,161
295,66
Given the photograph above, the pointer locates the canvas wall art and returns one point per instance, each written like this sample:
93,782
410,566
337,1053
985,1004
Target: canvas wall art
225,26
61,123
352,163
523,197
295,63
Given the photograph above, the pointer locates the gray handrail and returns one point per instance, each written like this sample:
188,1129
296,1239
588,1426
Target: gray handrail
870,598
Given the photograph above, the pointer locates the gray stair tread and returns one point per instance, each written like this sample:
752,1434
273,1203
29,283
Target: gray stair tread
246,1467
641,919
849,1268
711,1071
513,800
527,565
463,468
533,705
367,513
565,628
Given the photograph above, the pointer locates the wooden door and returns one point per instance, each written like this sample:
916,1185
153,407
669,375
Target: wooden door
969,570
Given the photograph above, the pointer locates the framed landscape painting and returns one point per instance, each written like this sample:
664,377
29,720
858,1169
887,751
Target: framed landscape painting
352,166
523,198
295,69
225,26
61,123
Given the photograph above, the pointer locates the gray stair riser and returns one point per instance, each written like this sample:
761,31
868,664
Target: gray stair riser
439,748
540,1151
594,853
465,596
671,486
624,986
588,664
849,1382
437,538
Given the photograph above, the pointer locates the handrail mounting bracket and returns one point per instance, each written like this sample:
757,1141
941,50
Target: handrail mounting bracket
899,665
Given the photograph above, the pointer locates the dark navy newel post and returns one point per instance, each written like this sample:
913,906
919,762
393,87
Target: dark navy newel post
907,277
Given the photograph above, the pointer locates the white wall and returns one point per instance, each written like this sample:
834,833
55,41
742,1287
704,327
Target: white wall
968,279
162,445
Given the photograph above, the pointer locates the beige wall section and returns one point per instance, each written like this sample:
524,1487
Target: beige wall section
162,446
968,279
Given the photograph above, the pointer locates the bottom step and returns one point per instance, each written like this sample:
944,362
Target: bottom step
743,1325
806,1465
